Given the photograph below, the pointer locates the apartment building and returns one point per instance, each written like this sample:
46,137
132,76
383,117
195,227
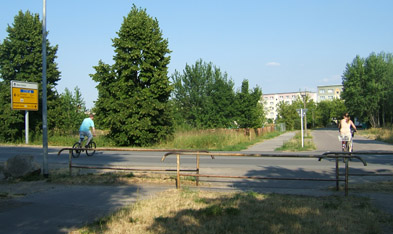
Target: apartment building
270,101
329,92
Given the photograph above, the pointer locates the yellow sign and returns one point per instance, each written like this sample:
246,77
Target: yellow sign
24,96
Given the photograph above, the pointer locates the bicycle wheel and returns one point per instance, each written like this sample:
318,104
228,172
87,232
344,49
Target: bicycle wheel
76,153
90,148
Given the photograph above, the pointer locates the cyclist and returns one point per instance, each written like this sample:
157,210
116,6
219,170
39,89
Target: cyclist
345,126
84,129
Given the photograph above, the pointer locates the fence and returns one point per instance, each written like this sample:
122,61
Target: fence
345,157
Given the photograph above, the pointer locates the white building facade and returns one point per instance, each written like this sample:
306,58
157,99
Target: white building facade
271,101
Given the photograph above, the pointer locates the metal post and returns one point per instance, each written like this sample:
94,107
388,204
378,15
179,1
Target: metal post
178,172
70,162
305,116
301,123
44,95
27,127
197,172
346,175
337,176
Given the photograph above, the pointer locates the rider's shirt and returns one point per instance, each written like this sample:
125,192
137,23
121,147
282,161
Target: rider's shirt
86,124
345,127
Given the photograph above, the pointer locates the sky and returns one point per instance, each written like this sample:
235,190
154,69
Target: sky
279,46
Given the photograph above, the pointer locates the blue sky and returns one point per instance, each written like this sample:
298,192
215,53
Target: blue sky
281,46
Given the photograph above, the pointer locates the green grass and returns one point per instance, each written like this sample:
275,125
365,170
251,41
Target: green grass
220,140
213,140
295,144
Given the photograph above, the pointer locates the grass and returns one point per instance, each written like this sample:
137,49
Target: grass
295,144
220,139
380,134
192,211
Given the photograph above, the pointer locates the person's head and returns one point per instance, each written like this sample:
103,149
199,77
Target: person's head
91,116
347,117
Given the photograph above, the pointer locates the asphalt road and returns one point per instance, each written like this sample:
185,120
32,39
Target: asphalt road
325,140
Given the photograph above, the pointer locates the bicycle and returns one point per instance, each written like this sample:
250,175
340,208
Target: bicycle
90,148
346,142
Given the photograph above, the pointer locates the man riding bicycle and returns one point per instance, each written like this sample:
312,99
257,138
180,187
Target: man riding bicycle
345,129
84,130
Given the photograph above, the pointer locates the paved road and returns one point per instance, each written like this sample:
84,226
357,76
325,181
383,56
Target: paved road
57,209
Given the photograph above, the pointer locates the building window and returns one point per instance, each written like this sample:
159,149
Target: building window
330,90
322,97
321,91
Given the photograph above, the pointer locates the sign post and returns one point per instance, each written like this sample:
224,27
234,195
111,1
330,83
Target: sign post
302,113
24,96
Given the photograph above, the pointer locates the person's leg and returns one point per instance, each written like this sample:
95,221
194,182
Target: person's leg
90,136
81,136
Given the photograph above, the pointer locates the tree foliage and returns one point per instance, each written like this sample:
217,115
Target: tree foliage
288,113
368,85
249,111
328,111
134,91
203,96
21,60
70,112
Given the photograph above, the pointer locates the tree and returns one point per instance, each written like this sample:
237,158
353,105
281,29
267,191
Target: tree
21,59
286,113
328,111
250,112
203,96
367,87
134,91
70,112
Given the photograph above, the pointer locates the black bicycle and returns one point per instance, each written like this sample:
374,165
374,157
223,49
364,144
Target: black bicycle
90,148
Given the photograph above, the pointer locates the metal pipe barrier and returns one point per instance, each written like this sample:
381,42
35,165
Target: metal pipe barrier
70,165
368,152
345,157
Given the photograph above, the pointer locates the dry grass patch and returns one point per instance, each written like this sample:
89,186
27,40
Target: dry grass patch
188,211
380,134
115,177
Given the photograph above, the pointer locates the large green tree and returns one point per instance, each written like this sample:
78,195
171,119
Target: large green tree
21,59
249,108
203,96
368,88
134,91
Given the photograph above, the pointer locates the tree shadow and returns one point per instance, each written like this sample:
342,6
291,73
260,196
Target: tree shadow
250,212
